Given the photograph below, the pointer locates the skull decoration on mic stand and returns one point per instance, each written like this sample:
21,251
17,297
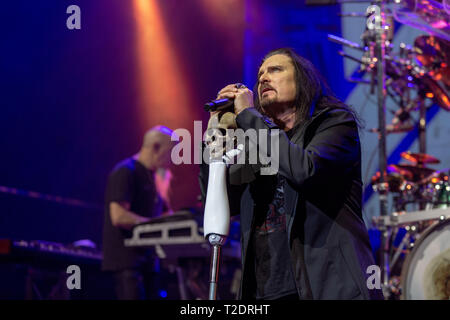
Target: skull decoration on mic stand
216,221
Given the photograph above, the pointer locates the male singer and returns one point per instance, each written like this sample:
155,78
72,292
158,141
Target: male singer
302,232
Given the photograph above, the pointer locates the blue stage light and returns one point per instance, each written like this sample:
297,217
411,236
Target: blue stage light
163,293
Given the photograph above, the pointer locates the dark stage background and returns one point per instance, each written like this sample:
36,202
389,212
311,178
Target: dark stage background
75,102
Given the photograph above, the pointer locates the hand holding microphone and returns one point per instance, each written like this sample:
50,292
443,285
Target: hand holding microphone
237,94
231,100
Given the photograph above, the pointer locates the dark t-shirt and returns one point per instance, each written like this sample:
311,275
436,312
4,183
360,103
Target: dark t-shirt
272,262
129,181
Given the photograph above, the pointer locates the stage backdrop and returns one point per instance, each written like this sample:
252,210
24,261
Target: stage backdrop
76,101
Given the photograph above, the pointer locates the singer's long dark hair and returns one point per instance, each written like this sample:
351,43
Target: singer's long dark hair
312,90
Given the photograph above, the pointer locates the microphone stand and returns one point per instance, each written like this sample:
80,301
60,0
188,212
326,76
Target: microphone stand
216,223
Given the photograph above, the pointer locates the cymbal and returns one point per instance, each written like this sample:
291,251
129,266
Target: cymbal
433,54
417,173
429,16
438,93
393,169
436,177
420,158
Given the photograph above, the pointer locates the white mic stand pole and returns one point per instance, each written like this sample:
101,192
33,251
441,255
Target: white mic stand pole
216,223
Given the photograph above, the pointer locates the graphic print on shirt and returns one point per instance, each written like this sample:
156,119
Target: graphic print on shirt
275,219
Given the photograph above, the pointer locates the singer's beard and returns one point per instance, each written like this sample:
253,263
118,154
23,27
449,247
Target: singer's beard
268,103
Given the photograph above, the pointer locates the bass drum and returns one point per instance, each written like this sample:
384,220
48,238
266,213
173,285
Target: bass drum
426,271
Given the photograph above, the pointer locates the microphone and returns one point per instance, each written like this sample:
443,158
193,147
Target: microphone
219,104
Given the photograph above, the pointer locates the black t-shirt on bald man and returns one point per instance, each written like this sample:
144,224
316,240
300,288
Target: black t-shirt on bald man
129,181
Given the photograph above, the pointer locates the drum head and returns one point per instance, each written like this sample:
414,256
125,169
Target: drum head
426,272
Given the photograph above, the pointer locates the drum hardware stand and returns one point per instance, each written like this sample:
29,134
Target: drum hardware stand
399,250
409,235
380,46
422,125
375,39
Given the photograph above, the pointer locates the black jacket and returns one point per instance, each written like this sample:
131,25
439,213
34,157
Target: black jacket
329,243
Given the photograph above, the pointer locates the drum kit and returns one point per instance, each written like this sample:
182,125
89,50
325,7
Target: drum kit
414,184
418,246
415,237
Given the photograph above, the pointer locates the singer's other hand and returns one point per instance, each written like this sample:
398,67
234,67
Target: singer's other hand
243,97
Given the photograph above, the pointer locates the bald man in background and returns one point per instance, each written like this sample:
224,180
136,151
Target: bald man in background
133,197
